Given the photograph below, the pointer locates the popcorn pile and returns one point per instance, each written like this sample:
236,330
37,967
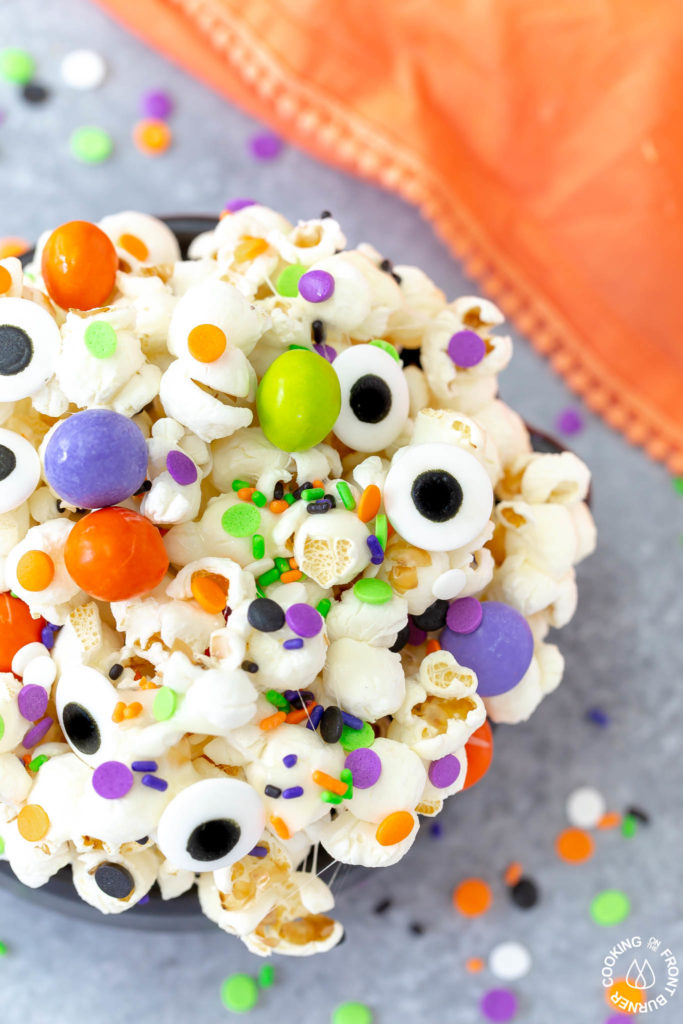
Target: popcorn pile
263,581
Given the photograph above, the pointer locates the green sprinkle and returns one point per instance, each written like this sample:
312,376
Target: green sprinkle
3,949
100,339
266,578
91,145
237,485
352,739
12,594
287,283
259,498
259,591
330,798
611,906
290,499
311,493
266,976
324,606
629,826
275,698
304,347
35,764
382,530
344,492
2,727
352,1013
16,65
2,845
165,704
372,591
678,484
388,347
239,993
241,520
258,546
346,775
282,565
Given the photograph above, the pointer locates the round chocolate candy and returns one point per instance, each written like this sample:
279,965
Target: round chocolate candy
298,400
499,650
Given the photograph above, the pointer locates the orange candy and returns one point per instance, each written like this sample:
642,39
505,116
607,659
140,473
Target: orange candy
206,343
135,246
79,265
35,570
210,592
479,749
17,628
272,721
472,897
115,554
394,828
369,502
574,846
280,827
33,823
152,136
5,280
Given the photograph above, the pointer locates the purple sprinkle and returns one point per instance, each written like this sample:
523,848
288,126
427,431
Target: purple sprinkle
415,636
293,645
144,899
35,735
376,550
156,103
304,620
365,766
112,780
466,349
265,146
326,351
235,205
314,717
298,695
154,782
569,421
145,766
464,615
47,637
32,702
499,1005
292,793
436,830
316,286
443,772
181,468
352,721
289,760
258,851
598,716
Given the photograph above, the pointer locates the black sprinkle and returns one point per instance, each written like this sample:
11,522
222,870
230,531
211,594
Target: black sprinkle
141,842
416,928
411,356
525,894
401,639
382,906
331,499
397,277
304,487
147,486
115,671
639,815
265,615
33,92
432,618
331,724
318,507
273,791
60,507
318,331
325,214
387,266
249,666
278,491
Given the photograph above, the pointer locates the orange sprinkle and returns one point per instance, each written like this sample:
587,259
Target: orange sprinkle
278,506
610,820
329,782
35,570
147,684
5,280
369,502
293,564
117,715
280,827
132,710
390,531
573,845
396,826
27,758
472,897
206,343
432,646
135,246
245,493
512,874
249,248
291,576
319,483
12,245
210,592
474,965
33,823
300,714
272,721
152,136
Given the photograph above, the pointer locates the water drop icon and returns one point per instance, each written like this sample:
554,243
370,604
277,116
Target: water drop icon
640,976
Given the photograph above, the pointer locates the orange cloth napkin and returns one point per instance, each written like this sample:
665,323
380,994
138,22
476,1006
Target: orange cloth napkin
542,138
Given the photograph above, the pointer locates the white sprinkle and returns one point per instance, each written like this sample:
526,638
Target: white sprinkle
585,807
449,584
510,961
83,69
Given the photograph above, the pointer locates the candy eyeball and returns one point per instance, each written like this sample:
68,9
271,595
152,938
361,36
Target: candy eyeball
29,345
211,824
437,496
19,470
140,238
85,704
374,398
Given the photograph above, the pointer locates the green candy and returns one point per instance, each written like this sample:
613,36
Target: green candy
266,976
611,906
16,65
241,520
100,339
324,606
344,492
91,145
258,546
239,993
352,1013
287,283
165,704
2,845
352,739
388,348
2,727
298,400
372,591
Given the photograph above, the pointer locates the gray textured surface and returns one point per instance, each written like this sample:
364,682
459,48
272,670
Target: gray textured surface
624,648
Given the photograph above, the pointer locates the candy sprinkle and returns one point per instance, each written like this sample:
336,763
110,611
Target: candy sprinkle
152,136
472,897
112,780
574,846
239,993
100,339
609,907
156,104
372,591
241,520
344,492
585,807
91,145
352,1013
16,65
33,823
499,1005
265,146
165,704
510,961
83,69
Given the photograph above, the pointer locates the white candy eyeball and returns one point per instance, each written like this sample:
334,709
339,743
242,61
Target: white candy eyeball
437,497
85,703
19,469
374,398
211,824
29,344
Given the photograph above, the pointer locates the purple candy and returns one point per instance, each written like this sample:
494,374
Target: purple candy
258,851
181,468
47,637
499,1005
326,351
156,103
292,793
154,782
145,766
36,734
289,760
314,717
569,421
499,651
235,205
415,636
466,348
112,780
316,286
265,146
96,458
365,766
436,830
352,721
444,772
376,550
293,645
464,615
32,702
143,900
304,620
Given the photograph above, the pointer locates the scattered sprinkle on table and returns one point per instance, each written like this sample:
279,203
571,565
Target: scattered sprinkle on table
239,993
266,976
91,145
585,807
352,1013
16,65
510,961
265,146
525,894
574,846
83,69
569,421
499,1005
34,92
156,104
152,136
472,897
611,906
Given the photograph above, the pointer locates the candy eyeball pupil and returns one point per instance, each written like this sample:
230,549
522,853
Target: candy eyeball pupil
370,398
8,462
81,728
16,350
213,839
437,495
